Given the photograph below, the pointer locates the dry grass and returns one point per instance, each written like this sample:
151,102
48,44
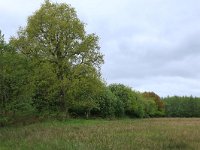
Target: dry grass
141,134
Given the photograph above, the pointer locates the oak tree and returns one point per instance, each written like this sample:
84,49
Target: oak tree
55,34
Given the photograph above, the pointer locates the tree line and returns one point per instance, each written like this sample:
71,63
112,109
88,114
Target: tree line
51,69
184,106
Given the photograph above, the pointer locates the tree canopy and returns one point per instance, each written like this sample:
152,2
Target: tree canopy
55,35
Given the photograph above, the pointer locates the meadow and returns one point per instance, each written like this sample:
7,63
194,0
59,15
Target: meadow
125,134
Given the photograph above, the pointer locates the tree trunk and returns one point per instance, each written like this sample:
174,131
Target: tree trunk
62,97
87,114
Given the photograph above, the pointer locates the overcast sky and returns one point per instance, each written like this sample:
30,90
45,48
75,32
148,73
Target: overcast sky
149,45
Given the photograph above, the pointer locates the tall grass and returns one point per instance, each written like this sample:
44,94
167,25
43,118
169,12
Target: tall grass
164,133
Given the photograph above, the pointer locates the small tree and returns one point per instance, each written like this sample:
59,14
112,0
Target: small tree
159,103
15,86
107,103
128,98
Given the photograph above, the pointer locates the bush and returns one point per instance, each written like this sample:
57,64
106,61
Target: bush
119,109
128,99
107,103
3,121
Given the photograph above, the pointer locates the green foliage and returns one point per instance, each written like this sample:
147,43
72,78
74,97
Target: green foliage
107,102
182,106
16,88
129,99
52,68
55,35
2,43
119,109
150,108
156,108
45,98
83,93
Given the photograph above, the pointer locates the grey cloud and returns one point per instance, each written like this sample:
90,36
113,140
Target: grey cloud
148,45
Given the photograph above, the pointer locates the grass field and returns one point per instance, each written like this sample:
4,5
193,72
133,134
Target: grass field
141,134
